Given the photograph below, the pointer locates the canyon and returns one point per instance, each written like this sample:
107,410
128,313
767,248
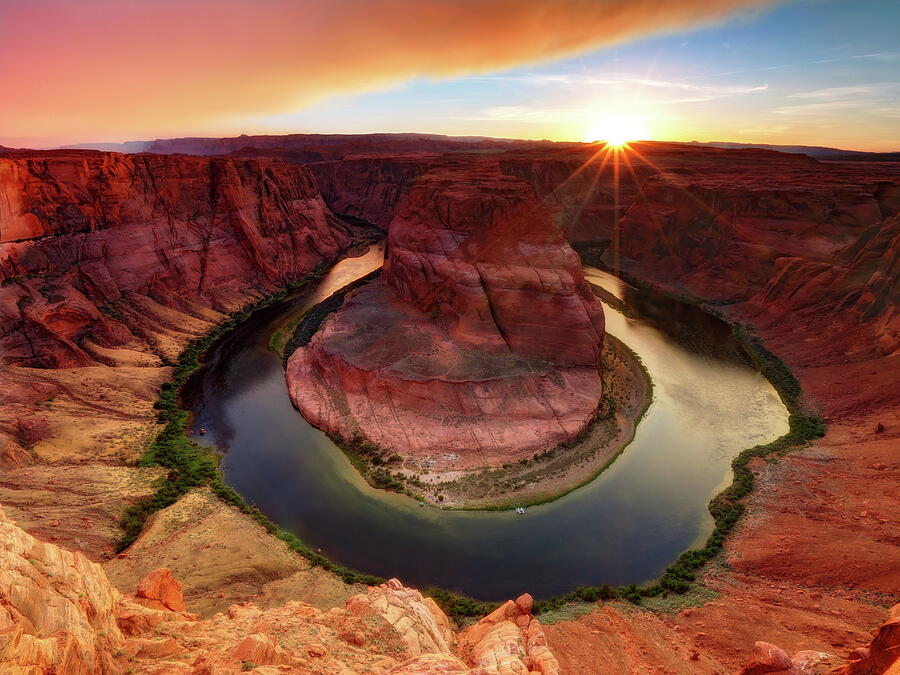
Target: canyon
111,264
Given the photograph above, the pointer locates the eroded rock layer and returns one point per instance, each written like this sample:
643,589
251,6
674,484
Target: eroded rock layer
479,345
97,249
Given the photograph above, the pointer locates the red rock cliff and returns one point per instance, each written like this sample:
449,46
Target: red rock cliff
89,241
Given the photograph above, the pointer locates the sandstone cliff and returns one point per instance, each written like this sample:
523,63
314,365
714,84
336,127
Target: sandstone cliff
479,345
59,614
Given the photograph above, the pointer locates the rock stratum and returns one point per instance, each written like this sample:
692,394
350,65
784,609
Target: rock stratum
805,253
480,343
99,249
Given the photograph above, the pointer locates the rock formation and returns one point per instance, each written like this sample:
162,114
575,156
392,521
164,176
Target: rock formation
479,345
59,614
882,655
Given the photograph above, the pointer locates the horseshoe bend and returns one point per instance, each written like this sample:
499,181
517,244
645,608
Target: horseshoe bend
480,345
290,390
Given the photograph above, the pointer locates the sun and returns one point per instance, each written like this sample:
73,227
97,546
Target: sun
616,130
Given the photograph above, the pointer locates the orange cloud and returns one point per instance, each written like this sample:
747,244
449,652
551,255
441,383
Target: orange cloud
138,68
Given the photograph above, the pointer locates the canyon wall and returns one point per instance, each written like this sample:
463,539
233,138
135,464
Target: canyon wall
479,345
96,248
109,265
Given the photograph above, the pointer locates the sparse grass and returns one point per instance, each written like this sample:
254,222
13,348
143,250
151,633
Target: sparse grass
696,596
568,612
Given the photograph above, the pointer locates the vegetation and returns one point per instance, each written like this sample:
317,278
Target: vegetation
460,606
191,465
310,322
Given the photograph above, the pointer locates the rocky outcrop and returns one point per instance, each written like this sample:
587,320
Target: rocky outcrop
509,641
882,655
57,611
60,614
768,659
479,345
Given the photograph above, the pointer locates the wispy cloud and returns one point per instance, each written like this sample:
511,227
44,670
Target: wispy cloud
827,108
833,92
524,113
732,90
586,79
582,81
873,99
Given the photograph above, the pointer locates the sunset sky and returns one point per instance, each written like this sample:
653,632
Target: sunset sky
820,72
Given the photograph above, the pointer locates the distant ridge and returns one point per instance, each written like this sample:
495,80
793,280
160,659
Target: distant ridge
126,147
815,151
319,146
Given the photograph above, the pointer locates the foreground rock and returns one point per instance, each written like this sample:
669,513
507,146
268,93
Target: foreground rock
479,345
60,614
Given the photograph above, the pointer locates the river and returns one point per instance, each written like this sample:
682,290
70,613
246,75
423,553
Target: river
624,527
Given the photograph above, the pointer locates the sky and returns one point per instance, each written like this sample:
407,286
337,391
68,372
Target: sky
808,72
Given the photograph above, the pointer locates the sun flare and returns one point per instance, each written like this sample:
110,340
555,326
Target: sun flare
616,130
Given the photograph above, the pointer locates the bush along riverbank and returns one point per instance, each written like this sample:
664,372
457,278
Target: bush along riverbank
726,507
191,465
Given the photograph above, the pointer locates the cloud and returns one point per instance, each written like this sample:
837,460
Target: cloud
104,68
828,108
521,113
834,92
716,90
876,99
581,80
